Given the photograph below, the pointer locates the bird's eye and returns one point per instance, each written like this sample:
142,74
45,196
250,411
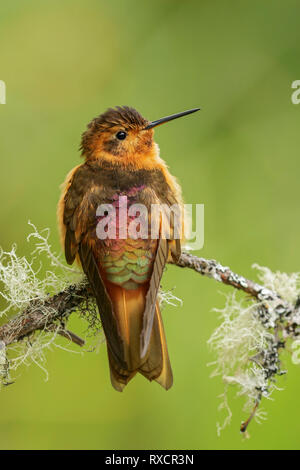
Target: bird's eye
121,135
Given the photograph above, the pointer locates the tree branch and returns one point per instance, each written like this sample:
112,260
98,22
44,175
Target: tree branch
274,313
214,270
33,318
67,301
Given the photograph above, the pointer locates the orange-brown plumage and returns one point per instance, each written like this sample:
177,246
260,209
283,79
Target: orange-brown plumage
121,158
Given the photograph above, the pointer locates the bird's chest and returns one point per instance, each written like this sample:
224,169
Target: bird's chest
125,249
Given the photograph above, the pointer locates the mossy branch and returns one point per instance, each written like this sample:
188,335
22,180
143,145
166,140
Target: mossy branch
58,307
61,305
247,343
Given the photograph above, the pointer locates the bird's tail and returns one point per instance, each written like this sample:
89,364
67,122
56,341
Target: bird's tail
129,306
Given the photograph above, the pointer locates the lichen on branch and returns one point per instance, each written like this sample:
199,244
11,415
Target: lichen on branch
247,344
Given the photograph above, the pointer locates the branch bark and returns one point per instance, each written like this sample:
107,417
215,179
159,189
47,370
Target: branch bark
67,301
33,318
58,308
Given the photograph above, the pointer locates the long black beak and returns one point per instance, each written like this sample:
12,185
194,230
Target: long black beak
158,122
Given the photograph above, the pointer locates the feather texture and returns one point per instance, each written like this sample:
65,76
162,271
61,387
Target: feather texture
148,316
124,273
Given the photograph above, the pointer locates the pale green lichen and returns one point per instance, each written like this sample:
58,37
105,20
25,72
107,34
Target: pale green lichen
286,285
246,348
24,281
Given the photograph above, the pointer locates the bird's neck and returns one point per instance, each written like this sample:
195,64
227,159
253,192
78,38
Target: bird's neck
148,160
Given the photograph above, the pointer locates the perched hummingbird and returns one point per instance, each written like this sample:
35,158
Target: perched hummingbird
122,159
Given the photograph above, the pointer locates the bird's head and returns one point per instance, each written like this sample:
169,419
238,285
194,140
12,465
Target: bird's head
122,136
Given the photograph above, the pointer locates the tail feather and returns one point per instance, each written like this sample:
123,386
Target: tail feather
129,306
157,366
165,379
119,377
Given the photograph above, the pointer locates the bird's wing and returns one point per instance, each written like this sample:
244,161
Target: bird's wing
79,218
149,312
166,247
104,303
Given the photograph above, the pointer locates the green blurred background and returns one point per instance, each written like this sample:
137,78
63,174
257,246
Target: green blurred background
64,62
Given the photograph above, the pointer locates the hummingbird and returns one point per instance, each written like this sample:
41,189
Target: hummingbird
121,159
